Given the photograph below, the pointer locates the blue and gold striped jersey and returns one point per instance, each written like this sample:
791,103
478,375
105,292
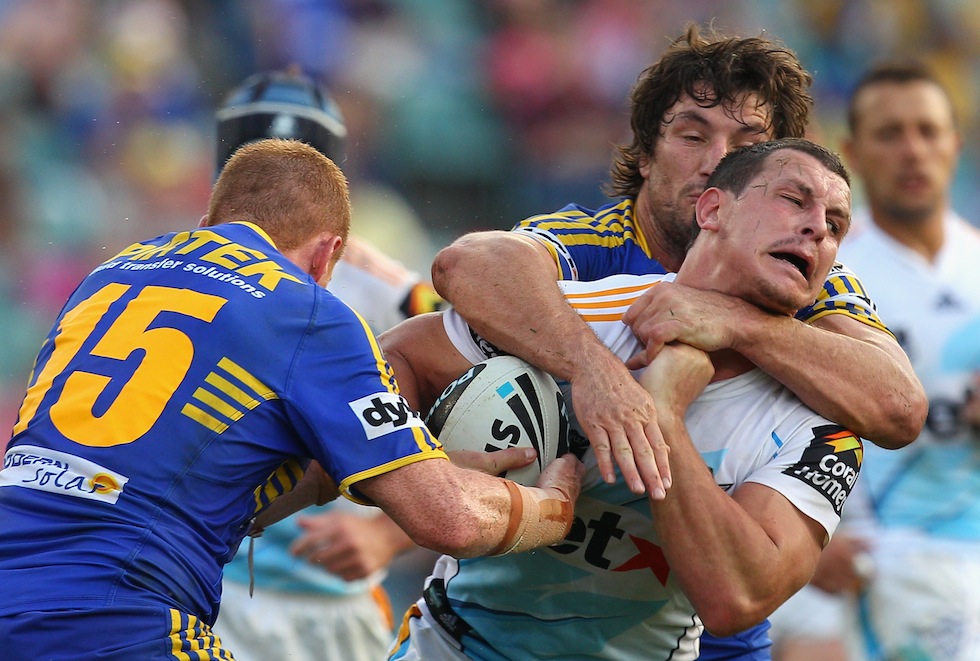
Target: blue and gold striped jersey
591,244
185,385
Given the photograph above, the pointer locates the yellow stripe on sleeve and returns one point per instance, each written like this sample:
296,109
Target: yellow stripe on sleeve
233,391
425,440
382,469
246,377
198,415
218,404
554,255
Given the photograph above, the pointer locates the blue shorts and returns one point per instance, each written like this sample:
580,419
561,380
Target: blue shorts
148,633
750,645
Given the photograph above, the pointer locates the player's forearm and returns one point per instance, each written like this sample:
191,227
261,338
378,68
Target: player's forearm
846,371
502,521
504,285
465,513
726,563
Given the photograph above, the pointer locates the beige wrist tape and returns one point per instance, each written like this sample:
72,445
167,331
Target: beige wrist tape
538,517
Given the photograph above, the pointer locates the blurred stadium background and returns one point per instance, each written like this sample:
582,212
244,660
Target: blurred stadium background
463,115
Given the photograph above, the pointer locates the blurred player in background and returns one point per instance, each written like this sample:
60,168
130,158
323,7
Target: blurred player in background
318,590
908,559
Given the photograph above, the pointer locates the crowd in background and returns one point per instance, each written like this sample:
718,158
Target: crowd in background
463,115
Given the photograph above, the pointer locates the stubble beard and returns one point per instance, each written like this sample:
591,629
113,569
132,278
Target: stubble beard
678,229
774,299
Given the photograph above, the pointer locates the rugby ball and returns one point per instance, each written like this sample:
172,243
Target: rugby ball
503,402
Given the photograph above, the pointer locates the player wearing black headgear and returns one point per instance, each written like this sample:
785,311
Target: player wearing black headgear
280,104
317,591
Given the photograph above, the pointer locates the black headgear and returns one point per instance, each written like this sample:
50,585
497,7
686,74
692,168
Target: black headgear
280,105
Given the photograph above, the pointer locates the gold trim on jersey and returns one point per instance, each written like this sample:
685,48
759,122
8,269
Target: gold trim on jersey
258,230
345,486
843,282
388,376
862,317
552,250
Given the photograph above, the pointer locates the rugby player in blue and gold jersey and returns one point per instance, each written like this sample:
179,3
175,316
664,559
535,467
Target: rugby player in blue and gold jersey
187,383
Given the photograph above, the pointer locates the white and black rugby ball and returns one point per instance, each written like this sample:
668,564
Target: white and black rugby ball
503,402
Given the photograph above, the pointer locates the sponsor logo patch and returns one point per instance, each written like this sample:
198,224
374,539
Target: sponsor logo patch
830,464
59,472
383,413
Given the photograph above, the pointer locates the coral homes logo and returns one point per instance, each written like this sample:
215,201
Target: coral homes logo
48,470
830,464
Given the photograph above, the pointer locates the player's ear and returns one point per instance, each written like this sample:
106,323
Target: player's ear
326,252
644,163
707,208
203,222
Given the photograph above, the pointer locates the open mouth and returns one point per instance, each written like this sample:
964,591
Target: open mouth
801,263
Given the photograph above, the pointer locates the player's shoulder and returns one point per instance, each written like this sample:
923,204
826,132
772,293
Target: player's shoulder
570,213
334,310
962,232
841,271
578,217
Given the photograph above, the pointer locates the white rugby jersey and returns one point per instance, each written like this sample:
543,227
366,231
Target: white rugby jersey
382,290
932,485
607,592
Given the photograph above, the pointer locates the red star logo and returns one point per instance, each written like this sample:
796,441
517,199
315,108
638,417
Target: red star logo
650,557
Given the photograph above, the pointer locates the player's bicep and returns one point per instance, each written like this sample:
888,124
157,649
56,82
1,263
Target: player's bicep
859,330
423,358
797,537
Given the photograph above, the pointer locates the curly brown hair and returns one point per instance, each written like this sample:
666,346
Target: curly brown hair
731,67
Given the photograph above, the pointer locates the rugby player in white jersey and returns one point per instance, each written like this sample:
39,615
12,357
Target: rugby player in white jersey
905,572
641,577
